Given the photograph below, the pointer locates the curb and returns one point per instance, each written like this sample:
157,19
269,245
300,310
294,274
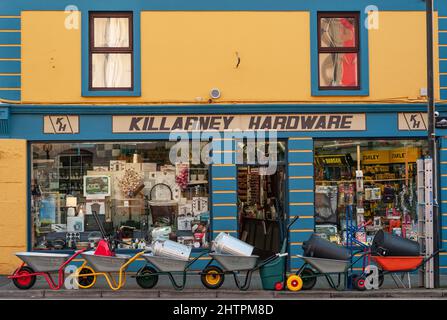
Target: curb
222,294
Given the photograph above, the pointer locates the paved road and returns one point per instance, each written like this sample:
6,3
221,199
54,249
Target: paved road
195,290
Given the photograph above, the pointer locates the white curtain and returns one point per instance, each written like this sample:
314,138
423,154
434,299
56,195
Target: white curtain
111,32
111,70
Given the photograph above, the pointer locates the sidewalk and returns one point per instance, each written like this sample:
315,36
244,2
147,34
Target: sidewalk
195,290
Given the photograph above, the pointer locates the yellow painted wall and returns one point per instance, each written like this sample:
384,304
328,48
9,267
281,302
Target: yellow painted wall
398,58
185,54
13,199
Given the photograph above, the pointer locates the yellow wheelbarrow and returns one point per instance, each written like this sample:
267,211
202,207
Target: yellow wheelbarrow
112,268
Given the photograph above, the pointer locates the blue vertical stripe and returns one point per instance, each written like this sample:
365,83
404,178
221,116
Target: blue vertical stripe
300,196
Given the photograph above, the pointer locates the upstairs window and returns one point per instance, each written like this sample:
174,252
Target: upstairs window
338,51
111,53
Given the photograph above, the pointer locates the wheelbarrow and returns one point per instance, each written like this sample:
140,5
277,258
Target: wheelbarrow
319,267
110,267
213,277
395,265
272,270
41,264
147,276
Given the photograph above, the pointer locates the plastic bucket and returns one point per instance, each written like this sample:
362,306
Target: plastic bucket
224,243
320,248
387,244
272,273
171,249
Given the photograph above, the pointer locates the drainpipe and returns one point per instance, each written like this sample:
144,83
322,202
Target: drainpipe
431,135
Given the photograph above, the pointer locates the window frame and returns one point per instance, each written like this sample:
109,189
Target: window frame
331,50
110,50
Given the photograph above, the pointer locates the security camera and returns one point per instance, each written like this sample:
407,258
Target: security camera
436,114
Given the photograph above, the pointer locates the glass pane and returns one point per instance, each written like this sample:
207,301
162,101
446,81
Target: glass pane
111,32
338,70
388,197
111,70
338,32
138,194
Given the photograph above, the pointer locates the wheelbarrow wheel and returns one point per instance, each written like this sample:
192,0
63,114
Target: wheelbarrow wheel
25,280
84,281
294,283
359,283
309,278
146,278
212,277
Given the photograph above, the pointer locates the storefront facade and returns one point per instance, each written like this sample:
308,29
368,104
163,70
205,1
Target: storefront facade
306,155
69,148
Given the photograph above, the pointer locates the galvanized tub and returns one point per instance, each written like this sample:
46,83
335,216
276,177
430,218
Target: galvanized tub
235,262
327,265
224,243
171,249
166,264
43,261
105,263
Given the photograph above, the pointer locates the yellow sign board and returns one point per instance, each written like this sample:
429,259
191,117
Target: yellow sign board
403,155
400,155
375,157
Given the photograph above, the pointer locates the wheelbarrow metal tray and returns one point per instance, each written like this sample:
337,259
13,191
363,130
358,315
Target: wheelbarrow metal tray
166,264
407,263
105,263
327,265
235,262
43,261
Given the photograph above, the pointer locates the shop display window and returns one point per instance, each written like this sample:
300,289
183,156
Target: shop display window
385,195
135,190
261,199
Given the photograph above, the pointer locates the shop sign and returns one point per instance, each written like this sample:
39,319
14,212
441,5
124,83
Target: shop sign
413,121
295,122
373,157
61,124
404,155
333,160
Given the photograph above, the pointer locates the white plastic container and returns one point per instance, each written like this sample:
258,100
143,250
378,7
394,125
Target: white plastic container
171,249
224,243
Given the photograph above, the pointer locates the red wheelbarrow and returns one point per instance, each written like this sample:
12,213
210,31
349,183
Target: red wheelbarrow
41,264
395,265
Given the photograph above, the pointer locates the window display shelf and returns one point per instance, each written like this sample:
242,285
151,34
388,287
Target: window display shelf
128,206
193,182
332,181
364,181
386,180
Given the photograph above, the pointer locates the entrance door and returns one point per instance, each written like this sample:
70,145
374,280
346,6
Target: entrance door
261,205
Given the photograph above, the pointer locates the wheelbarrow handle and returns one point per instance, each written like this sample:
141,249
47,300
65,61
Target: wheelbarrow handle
270,259
293,221
433,255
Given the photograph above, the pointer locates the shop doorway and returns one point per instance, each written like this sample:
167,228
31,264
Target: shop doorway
261,204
